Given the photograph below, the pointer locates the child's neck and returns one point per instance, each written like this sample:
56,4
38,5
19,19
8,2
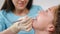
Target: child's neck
41,32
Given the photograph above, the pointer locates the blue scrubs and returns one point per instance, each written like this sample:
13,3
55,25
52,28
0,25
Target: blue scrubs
7,19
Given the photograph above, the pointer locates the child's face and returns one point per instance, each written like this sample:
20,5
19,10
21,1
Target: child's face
44,19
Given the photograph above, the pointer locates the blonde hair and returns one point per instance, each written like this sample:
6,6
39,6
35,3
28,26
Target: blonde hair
57,20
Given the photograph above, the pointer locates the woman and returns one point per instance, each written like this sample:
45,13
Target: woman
13,10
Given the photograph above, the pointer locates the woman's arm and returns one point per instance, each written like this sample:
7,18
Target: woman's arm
8,31
23,24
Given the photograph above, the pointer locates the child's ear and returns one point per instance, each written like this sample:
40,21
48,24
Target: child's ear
51,28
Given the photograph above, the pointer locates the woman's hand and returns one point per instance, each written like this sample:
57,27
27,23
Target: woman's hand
26,24
23,24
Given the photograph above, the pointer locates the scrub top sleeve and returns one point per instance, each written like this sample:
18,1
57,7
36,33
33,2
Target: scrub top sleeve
2,25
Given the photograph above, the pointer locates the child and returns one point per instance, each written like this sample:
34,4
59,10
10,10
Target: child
45,22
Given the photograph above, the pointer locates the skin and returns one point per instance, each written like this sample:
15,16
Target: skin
20,4
20,10
25,24
41,20
20,7
43,24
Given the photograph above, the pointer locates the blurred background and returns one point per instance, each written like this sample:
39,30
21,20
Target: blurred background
43,3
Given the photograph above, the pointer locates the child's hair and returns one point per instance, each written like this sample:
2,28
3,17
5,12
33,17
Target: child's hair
57,21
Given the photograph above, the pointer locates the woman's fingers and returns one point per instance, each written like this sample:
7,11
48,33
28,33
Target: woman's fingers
27,22
28,27
24,22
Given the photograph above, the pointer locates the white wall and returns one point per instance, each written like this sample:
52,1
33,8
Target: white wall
44,3
1,3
